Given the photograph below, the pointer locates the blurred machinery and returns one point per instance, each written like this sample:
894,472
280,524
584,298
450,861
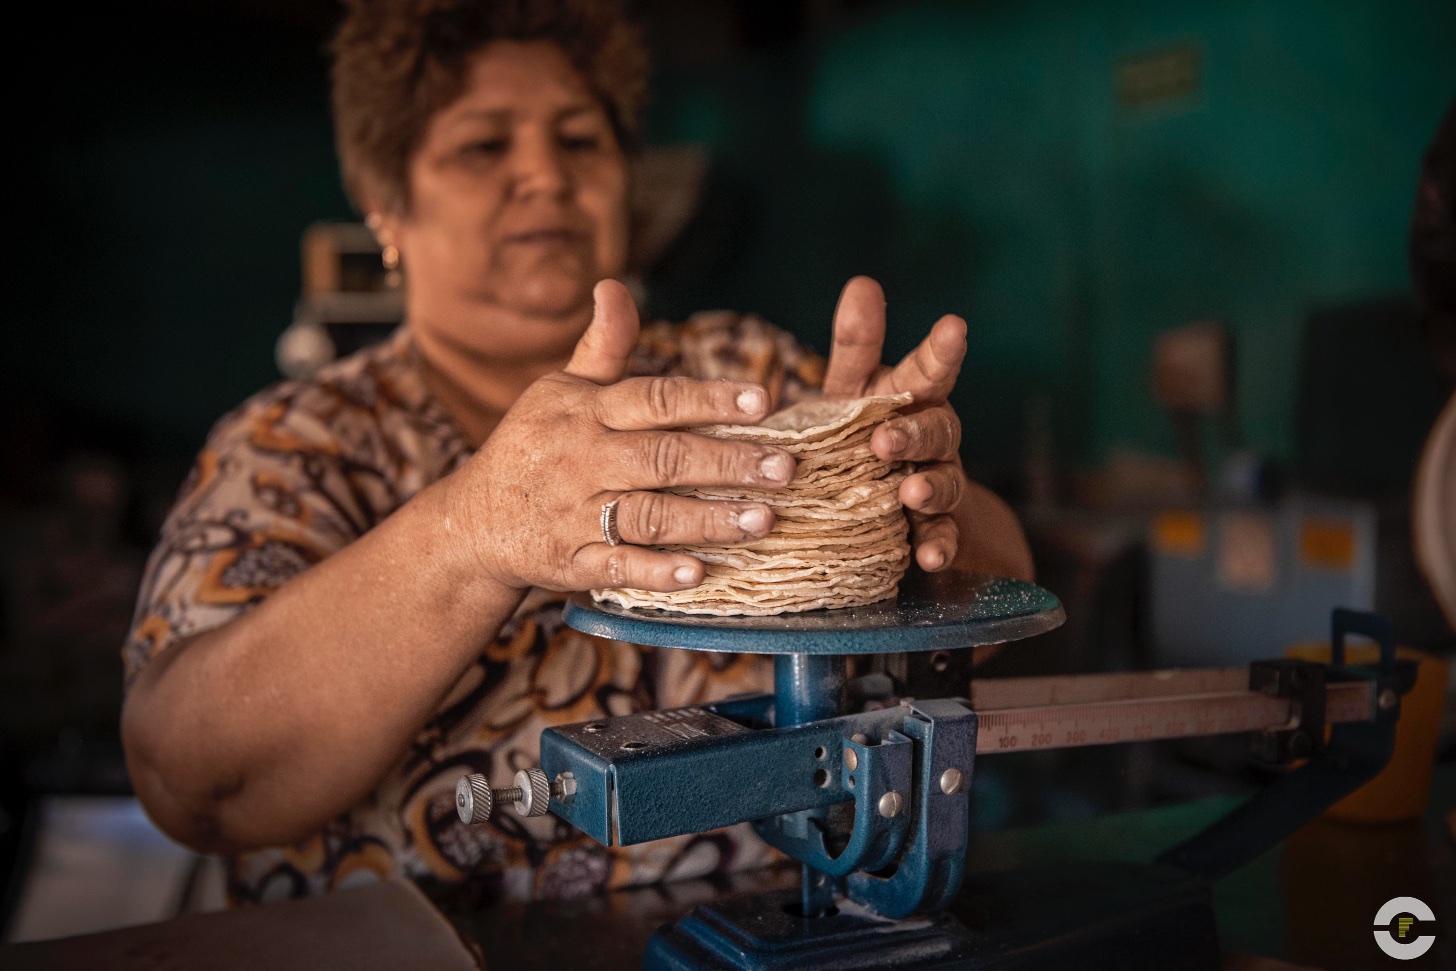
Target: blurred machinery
1193,380
1246,567
349,299
1232,583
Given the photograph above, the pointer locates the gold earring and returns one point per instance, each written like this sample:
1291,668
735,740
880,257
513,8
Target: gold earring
390,257
389,253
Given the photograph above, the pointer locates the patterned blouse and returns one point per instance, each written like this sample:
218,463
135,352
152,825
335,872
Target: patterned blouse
304,468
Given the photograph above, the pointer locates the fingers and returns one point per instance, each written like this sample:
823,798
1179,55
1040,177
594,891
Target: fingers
930,371
656,518
932,435
601,353
642,403
935,540
934,489
600,565
859,339
654,460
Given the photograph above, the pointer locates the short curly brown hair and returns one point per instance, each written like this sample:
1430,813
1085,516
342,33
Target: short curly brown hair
398,62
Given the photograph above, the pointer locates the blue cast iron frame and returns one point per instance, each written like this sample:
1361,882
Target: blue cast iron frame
782,761
660,774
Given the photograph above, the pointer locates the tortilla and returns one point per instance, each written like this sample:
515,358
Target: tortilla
810,421
840,537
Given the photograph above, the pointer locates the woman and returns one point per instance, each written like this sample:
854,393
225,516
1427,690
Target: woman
356,600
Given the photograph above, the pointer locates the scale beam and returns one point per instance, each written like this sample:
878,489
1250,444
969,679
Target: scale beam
1141,716
632,771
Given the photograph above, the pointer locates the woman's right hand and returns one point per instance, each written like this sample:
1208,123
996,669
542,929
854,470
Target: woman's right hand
529,503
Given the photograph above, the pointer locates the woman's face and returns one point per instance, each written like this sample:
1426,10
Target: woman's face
518,203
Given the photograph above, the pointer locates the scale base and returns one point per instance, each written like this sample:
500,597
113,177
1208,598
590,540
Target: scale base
1115,916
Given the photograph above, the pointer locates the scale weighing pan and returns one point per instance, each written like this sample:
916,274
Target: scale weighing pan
933,611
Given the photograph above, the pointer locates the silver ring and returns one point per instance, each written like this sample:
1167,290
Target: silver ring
609,523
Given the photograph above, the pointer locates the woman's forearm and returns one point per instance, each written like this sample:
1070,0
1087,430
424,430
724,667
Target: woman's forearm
991,539
259,732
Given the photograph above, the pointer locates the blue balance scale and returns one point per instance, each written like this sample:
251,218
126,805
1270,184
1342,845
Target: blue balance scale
865,781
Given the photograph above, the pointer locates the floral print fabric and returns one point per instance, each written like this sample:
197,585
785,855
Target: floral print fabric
301,470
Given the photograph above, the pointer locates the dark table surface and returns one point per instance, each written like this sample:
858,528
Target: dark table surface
1310,901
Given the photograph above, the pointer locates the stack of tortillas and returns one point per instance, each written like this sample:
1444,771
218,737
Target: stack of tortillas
840,536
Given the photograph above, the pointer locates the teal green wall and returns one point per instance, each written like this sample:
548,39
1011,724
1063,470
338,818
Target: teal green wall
968,154
972,156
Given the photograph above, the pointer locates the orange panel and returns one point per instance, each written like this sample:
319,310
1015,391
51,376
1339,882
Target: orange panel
1327,543
1179,533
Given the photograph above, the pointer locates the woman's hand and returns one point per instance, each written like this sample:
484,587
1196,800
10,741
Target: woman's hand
930,433
530,502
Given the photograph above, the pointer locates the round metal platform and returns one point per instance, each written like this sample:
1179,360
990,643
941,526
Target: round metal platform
935,611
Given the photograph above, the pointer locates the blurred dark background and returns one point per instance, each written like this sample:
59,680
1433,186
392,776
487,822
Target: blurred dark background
982,157
1078,178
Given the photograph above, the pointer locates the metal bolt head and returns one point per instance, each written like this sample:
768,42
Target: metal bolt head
950,781
473,799
860,737
890,804
563,787
851,758
1386,699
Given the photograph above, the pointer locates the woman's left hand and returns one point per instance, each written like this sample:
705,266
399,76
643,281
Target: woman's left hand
929,434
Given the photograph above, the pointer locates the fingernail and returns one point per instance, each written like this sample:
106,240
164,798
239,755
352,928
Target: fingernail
777,467
897,441
934,558
754,519
684,574
752,401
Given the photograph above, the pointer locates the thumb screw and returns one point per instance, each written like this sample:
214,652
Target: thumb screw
475,800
